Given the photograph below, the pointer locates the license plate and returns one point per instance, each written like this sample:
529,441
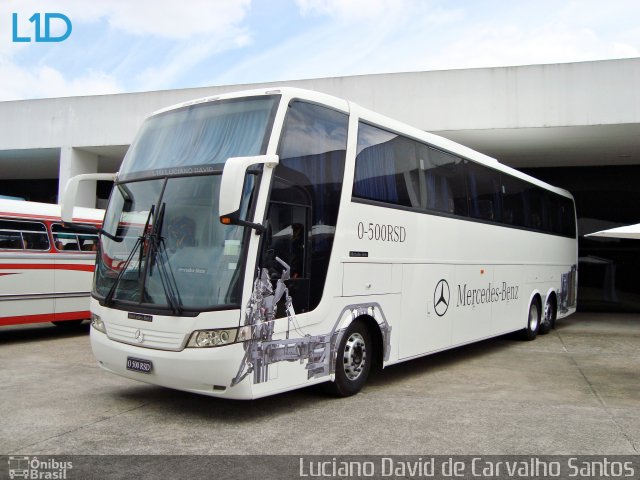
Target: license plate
139,365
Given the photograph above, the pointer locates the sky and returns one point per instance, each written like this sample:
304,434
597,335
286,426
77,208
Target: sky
117,46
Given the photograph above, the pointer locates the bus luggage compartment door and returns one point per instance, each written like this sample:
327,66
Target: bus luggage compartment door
371,279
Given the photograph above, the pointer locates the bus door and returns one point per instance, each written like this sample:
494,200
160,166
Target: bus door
289,237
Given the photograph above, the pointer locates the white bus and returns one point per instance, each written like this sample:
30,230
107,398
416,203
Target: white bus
46,268
267,240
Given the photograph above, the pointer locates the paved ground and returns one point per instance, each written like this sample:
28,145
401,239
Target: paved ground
574,391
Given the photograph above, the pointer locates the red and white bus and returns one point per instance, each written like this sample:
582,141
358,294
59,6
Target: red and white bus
46,268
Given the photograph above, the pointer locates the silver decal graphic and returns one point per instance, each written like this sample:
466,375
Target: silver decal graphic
318,351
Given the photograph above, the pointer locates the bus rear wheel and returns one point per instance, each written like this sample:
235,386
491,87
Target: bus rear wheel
549,316
530,332
353,360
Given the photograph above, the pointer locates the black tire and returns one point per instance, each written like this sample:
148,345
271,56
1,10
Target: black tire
68,323
530,332
548,320
353,360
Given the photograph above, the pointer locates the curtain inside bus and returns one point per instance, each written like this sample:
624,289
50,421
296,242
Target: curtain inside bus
205,134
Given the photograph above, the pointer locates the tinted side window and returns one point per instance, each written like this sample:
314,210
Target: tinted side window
10,235
513,201
535,213
567,217
387,168
553,213
397,170
445,183
400,171
561,215
483,186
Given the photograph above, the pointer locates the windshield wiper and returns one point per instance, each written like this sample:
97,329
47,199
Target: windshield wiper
158,254
151,246
155,237
144,236
168,280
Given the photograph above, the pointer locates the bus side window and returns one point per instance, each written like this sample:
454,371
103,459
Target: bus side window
484,192
534,212
62,238
89,245
35,241
19,235
10,240
445,184
70,246
387,168
513,201
70,240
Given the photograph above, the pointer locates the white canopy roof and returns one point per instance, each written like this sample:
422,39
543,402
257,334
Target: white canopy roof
628,231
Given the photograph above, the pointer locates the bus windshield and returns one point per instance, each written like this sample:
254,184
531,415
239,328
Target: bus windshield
165,248
169,249
200,138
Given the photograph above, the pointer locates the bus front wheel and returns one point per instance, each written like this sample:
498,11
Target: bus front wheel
533,321
353,360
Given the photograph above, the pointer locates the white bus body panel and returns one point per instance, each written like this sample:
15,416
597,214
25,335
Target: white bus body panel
491,278
396,283
27,284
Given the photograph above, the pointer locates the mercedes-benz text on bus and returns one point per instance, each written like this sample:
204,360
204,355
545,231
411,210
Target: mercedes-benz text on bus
263,241
46,268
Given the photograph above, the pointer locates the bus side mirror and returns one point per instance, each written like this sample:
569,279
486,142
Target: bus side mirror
233,175
71,192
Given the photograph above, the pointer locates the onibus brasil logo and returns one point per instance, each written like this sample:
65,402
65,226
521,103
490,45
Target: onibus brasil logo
33,468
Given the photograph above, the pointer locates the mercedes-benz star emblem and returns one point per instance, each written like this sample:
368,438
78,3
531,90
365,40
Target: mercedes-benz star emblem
441,297
139,336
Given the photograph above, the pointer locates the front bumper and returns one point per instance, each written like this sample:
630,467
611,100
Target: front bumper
207,371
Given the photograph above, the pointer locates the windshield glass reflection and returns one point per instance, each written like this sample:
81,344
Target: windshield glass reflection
171,251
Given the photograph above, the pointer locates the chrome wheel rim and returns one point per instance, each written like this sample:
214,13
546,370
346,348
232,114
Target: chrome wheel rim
354,356
533,317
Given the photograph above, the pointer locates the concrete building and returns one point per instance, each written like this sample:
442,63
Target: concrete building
574,125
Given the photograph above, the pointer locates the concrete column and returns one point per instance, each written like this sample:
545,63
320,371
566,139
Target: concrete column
74,161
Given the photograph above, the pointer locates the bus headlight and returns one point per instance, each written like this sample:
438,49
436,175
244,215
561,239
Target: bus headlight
97,323
213,338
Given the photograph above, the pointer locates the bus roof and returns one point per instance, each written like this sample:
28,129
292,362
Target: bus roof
46,211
